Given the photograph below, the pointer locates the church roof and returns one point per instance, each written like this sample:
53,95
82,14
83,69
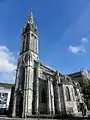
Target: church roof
76,74
6,85
49,67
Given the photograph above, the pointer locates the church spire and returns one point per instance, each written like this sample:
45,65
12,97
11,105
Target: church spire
31,20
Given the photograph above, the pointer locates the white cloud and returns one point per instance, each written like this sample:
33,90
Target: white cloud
7,64
77,49
84,40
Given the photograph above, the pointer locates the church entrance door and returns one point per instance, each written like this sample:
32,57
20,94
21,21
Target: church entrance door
19,108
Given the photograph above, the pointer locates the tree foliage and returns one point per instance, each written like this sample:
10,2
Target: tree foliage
86,87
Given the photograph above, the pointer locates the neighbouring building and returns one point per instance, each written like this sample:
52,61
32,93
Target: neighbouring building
5,93
81,77
40,89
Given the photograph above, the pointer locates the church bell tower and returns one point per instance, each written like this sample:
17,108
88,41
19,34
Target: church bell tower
23,94
30,37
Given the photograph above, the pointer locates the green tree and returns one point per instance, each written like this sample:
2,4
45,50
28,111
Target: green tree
86,87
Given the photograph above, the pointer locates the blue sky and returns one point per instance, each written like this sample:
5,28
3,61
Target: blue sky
64,33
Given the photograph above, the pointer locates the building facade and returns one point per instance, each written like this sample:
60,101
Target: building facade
40,89
5,93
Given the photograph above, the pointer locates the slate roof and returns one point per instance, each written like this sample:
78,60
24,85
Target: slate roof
75,75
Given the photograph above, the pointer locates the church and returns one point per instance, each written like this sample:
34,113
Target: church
39,89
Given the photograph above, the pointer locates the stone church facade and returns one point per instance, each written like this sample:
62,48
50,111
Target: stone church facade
40,89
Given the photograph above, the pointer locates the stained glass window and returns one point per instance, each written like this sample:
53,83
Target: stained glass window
43,100
68,94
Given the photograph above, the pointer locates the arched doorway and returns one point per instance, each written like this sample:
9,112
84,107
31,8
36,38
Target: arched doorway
19,108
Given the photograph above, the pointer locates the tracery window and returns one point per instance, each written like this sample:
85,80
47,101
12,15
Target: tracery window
68,98
73,94
43,96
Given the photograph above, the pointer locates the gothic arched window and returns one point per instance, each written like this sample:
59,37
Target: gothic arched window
23,77
68,98
26,58
27,42
23,45
72,90
21,73
35,72
43,96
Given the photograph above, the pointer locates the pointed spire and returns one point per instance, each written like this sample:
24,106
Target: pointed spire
31,17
